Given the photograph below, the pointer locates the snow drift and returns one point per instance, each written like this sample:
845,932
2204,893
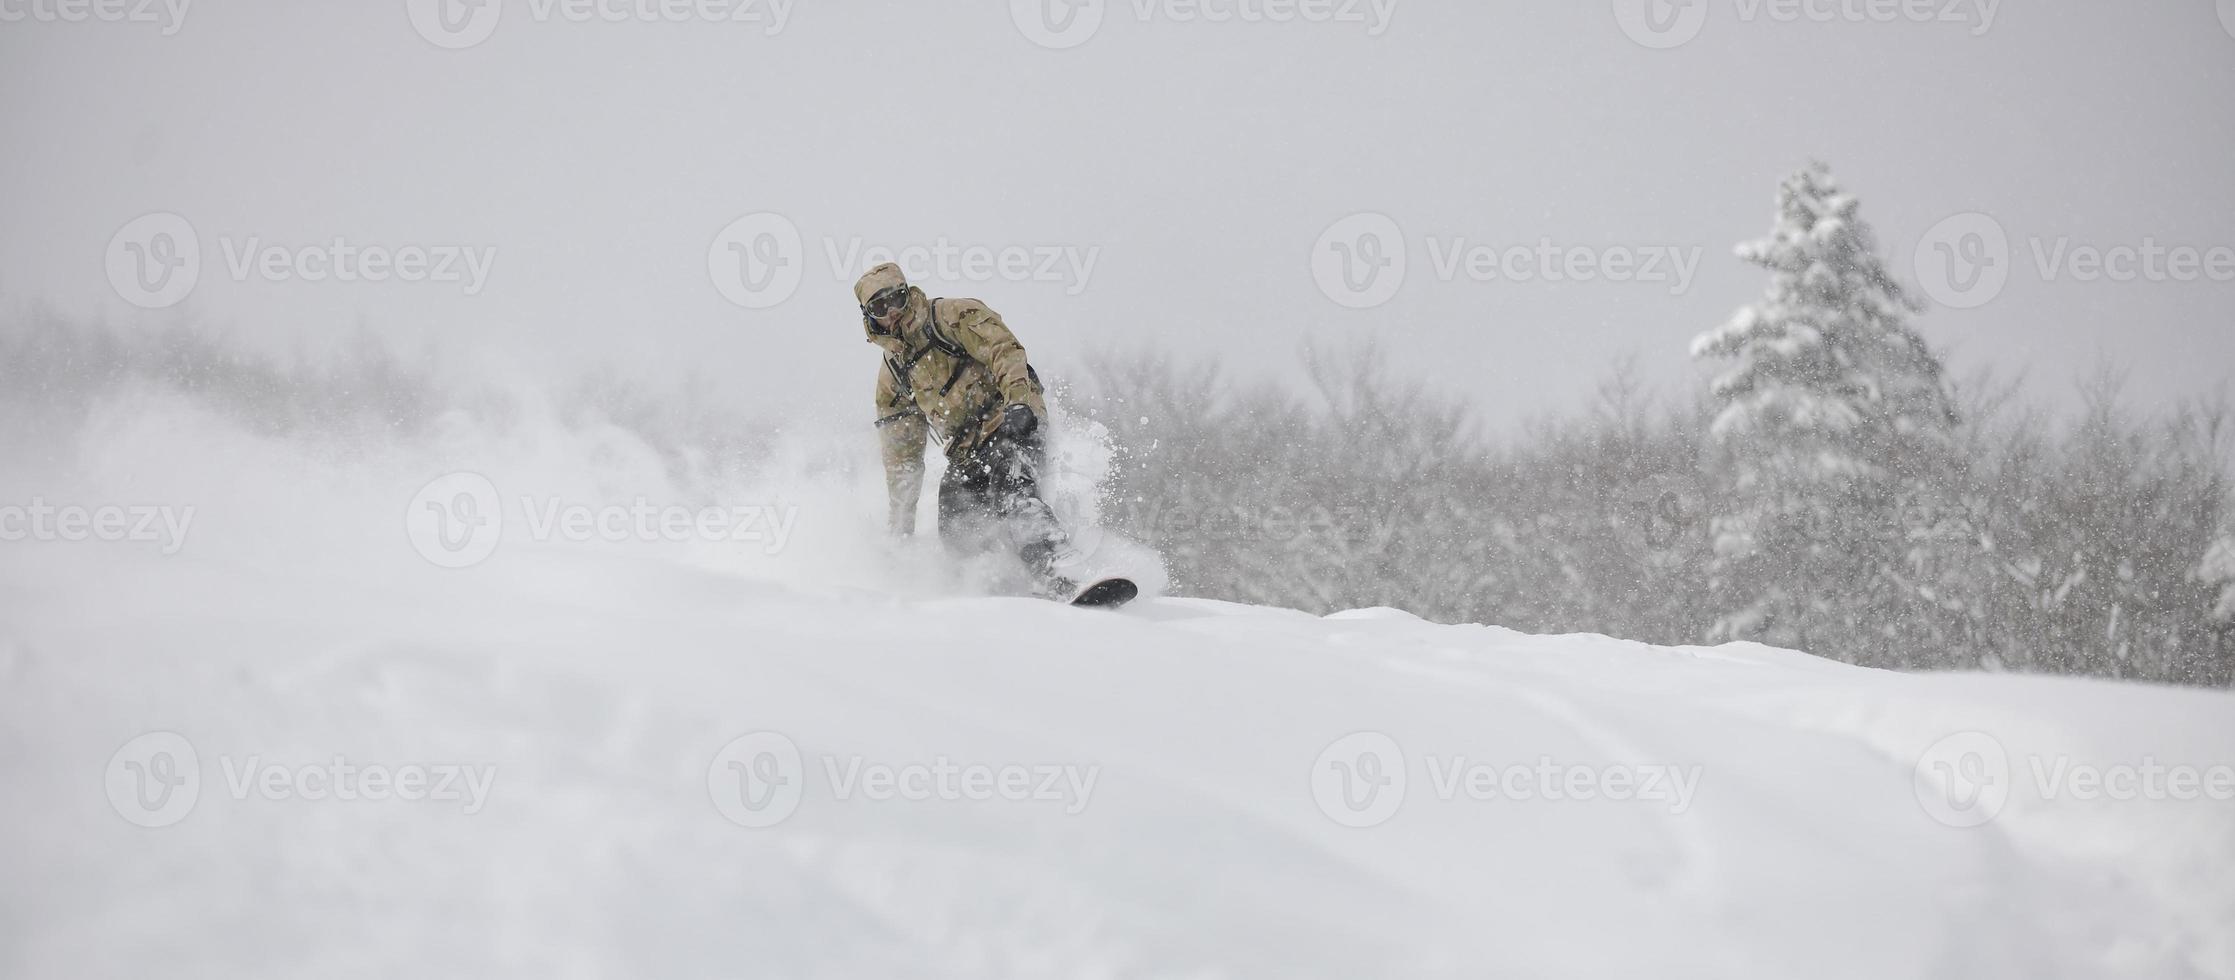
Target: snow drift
295,738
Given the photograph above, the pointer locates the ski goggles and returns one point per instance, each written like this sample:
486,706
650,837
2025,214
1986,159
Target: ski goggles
887,302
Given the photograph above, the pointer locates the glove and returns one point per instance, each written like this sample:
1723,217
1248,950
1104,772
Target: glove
1017,423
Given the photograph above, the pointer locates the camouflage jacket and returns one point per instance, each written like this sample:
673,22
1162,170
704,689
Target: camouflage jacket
948,372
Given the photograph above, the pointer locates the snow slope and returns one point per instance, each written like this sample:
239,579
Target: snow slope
1191,792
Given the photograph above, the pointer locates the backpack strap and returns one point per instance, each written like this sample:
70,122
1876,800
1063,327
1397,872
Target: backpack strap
939,340
933,340
947,346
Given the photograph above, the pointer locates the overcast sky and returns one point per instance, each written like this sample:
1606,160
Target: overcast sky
1163,180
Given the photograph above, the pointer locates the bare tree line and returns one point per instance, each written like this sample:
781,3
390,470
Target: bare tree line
1832,493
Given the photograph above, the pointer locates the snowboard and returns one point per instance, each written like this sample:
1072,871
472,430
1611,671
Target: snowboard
1108,593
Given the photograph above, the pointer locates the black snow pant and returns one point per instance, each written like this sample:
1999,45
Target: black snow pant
989,500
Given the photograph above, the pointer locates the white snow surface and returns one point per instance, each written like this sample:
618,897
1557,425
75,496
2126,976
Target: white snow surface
598,685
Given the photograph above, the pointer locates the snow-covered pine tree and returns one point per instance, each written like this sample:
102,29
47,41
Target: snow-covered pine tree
1836,425
2219,569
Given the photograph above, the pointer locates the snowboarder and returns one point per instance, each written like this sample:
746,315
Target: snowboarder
953,371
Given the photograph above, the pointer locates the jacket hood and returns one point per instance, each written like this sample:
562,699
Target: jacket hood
919,307
877,280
